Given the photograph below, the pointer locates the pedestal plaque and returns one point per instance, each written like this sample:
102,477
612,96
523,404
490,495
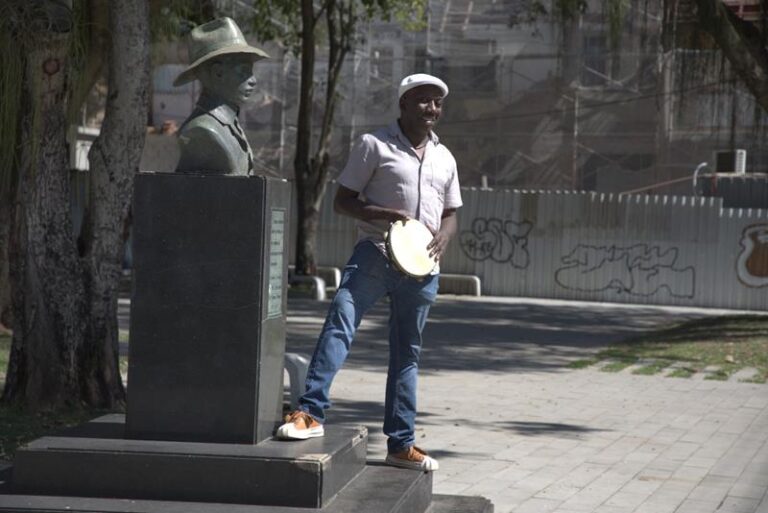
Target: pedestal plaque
208,308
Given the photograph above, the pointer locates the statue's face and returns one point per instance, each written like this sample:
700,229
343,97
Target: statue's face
230,77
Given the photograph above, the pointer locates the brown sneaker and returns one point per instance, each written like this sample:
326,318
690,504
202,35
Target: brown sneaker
299,425
412,458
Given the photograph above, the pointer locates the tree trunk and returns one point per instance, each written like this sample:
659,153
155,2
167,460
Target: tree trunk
308,203
65,341
6,318
95,58
114,160
307,229
312,171
46,275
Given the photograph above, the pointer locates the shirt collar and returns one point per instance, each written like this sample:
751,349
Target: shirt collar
223,112
397,133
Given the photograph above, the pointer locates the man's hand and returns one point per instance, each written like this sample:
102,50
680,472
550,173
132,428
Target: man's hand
448,227
438,244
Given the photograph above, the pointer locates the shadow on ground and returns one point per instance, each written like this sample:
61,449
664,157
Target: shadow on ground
489,336
546,428
482,334
370,414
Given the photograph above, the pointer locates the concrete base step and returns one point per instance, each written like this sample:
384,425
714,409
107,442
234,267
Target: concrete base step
377,489
95,460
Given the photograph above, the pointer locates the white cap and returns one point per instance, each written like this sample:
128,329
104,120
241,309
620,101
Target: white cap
420,79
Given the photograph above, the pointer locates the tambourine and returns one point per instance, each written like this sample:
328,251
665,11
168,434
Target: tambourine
407,247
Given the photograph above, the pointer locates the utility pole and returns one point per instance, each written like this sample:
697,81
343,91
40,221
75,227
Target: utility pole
575,182
571,69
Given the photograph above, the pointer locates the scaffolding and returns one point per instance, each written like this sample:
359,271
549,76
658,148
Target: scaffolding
537,104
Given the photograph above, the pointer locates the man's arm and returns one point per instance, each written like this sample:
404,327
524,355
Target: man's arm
448,227
347,203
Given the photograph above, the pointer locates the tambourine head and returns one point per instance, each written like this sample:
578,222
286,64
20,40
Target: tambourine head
407,245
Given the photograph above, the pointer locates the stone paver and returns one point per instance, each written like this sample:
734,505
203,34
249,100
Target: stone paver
707,372
508,420
744,374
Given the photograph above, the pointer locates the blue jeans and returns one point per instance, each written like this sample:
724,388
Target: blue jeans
367,277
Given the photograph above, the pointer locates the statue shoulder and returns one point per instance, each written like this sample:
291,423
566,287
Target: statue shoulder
202,126
204,146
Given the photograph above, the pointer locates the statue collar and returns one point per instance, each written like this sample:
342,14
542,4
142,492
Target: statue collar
223,112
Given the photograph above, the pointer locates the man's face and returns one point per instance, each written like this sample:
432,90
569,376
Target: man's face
231,78
421,106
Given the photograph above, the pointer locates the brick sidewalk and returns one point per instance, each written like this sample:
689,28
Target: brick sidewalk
509,421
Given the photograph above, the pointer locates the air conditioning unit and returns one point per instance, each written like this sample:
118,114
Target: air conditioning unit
731,161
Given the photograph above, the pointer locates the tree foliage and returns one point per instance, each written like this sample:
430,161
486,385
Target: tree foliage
303,27
744,44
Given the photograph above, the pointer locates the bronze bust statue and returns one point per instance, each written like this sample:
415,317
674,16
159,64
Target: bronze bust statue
211,139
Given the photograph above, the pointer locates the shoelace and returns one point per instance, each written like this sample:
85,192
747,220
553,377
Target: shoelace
300,415
414,454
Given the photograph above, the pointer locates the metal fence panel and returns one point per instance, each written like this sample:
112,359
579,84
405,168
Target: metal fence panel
665,250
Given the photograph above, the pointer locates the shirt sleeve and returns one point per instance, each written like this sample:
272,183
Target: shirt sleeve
360,166
452,189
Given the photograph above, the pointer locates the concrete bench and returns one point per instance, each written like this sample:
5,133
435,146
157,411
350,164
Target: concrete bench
314,285
331,275
326,278
296,365
462,284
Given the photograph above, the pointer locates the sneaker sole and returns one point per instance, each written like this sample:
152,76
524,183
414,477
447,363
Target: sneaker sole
288,432
412,465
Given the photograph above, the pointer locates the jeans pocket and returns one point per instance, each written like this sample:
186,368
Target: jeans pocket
349,271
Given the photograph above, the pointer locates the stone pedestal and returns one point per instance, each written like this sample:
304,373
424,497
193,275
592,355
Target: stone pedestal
94,468
208,307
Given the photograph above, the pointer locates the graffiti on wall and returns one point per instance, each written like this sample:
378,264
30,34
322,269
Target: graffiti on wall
497,240
638,270
752,263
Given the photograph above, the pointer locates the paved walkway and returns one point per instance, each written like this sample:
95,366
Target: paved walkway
509,421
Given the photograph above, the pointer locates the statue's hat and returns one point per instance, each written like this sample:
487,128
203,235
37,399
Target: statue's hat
218,37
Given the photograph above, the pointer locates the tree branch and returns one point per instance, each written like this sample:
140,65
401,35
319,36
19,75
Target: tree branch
733,36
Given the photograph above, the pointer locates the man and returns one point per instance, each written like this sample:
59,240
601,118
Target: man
211,139
396,173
